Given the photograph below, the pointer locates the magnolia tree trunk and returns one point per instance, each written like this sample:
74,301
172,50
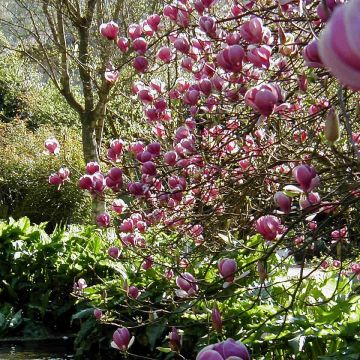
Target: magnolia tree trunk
91,153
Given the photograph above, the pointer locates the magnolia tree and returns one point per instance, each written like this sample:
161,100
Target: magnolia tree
249,145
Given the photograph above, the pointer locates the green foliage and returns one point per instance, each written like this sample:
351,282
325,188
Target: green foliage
316,316
24,171
37,273
26,95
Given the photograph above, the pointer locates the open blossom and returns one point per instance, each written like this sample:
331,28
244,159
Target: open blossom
225,350
79,286
254,32
103,220
122,339
269,227
52,146
230,58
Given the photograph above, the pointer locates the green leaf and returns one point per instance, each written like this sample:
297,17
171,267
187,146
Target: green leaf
154,332
163,349
83,314
298,343
16,320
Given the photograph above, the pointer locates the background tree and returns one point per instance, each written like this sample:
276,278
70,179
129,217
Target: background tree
62,38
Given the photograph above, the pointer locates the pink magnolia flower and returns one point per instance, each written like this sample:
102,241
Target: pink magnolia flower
109,30
264,98
310,200
311,55
339,44
54,179
187,284
92,167
140,45
208,25
147,263
254,32
52,146
154,21
114,252
98,314
133,292
259,56
227,269
182,44
111,74
269,227
164,54
230,58
103,220
225,350
283,202
175,339
134,31
121,339
140,64
177,14
114,179
79,286
123,44
119,206
355,268
339,235
60,177
306,177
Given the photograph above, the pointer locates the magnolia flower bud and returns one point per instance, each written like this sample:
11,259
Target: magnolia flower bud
216,318
133,292
98,314
332,126
283,201
174,339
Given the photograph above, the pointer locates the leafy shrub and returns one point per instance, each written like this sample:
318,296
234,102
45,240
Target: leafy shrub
24,171
38,272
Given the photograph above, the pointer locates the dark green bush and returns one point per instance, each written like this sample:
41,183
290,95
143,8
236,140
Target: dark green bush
38,271
24,171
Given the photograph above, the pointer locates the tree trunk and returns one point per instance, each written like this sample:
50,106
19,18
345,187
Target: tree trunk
91,153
